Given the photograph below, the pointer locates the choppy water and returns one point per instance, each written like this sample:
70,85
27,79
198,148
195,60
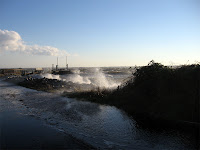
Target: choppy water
89,78
101,126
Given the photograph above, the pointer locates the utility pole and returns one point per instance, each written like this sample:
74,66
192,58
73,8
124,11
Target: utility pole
66,63
57,64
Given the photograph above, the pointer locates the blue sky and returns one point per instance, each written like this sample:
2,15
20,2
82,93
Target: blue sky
103,32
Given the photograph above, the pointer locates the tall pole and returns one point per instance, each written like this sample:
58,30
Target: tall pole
57,64
66,63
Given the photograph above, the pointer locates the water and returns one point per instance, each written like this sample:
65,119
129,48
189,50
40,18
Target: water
108,78
18,131
101,126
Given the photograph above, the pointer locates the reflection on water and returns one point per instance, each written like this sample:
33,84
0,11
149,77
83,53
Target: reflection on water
99,125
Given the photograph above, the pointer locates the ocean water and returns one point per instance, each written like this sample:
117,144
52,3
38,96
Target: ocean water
86,79
104,127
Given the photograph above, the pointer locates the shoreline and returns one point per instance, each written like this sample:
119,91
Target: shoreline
96,97
19,130
139,127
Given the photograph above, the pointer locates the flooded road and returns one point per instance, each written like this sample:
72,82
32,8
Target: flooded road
101,126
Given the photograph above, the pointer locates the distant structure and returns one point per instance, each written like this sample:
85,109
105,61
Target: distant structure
12,71
20,71
38,70
57,65
61,71
66,64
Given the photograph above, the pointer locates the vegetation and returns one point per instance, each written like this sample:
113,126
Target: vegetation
155,91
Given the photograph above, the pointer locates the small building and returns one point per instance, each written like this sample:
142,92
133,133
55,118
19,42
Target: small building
13,71
38,70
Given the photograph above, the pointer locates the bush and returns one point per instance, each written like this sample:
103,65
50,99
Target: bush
156,91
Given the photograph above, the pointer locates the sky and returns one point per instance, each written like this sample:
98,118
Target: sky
98,33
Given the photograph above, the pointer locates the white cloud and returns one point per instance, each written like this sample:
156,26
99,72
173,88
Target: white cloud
11,41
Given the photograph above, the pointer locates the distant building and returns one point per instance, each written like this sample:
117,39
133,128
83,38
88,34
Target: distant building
38,70
13,71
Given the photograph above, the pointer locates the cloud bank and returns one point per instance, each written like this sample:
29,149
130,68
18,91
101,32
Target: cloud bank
11,41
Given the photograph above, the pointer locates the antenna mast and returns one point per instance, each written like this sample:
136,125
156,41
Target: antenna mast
57,64
66,63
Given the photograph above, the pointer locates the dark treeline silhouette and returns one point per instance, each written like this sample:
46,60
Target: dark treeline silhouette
155,91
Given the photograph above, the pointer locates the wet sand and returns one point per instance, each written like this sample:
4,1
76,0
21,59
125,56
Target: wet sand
18,131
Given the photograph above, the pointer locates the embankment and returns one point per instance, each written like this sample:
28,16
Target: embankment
156,91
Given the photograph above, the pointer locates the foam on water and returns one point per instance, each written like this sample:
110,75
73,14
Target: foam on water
95,77
50,76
